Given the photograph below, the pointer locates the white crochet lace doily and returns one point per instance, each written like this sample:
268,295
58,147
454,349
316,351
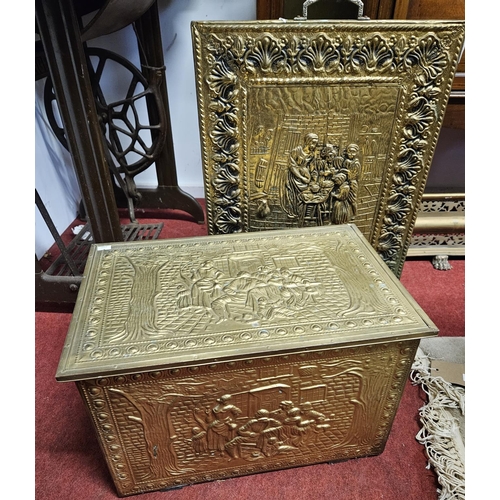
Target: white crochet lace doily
441,432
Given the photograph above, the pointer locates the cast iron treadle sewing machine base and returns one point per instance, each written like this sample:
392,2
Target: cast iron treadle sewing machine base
79,247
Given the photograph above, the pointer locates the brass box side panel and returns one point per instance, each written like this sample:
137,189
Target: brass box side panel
183,426
315,123
145,306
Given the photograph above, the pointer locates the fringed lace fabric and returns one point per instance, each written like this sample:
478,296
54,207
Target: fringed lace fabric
440,432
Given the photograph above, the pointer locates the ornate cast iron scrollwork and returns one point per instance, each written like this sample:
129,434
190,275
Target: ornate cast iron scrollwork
263,87
133,145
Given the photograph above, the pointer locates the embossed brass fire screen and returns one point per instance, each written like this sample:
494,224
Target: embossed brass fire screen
213,357
315,123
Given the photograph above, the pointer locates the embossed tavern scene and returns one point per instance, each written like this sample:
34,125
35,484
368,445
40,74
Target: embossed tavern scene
208,358
318,123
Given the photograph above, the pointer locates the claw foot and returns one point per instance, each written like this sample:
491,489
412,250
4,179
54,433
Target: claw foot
440,262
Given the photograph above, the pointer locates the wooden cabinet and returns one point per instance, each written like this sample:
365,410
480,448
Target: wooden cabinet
431,9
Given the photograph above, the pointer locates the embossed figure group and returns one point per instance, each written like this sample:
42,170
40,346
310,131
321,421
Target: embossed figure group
263,294
266,434
322,185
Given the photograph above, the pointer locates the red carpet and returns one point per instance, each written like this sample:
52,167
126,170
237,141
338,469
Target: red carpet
441,294
69,464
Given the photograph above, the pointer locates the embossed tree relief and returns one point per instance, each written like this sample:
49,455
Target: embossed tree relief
319,123
140,322
156,427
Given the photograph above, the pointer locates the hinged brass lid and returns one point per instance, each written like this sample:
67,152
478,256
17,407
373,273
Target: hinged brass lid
150,305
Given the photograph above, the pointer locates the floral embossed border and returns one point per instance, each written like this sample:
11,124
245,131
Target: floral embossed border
423,55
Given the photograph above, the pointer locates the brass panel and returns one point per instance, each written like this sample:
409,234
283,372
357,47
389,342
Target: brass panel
150,305
274,96
436,223
440,226
170,428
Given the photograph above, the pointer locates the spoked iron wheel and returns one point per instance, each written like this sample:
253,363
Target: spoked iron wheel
123,96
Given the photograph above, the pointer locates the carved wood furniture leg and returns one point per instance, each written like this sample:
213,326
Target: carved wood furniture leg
168,194
60,35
